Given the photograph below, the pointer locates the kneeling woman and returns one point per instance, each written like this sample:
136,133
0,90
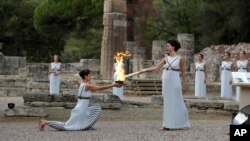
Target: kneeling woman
83,116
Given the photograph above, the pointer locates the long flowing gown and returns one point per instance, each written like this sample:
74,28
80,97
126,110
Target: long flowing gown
55,79
226,86
117,91
83,116
242,67
175,114
200,85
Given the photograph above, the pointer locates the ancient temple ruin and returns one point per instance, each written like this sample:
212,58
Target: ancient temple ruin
114,35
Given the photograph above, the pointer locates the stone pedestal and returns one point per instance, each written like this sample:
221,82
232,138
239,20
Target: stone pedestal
187,48
114,35
244,96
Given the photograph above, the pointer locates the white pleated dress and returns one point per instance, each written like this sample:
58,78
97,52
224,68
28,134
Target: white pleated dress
175,114
83,116
226,86
54,80
200,85
242,67
117,91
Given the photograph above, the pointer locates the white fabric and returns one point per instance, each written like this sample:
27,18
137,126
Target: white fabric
82,116
226,85
242,67
55,80
200,85
117,91
175,114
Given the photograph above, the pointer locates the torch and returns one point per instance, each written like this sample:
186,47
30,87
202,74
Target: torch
132,74
119,69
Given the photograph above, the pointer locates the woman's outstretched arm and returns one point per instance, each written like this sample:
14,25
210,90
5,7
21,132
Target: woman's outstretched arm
90,87
156,67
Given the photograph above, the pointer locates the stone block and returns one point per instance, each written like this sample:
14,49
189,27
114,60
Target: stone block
221,112
158,50
111,99
47,104
36,96
119,6
26,112
13,82
232,106
98,98
65,98
69,105
110,105
114,19
92,64
205,104
157,99
12,91
38,71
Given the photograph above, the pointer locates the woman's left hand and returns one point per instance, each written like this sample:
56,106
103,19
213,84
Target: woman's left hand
117,85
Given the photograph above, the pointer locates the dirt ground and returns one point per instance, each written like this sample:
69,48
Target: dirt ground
127,124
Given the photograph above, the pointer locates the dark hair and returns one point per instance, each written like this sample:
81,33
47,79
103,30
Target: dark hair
228,54
175,44
52,58
202,56
243,52
84,72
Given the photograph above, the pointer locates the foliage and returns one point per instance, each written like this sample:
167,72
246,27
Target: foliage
40,28
212,22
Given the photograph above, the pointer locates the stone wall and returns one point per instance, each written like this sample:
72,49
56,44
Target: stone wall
211,105
214,55
34,77
10,65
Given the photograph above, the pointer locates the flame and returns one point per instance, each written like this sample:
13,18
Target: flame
120,69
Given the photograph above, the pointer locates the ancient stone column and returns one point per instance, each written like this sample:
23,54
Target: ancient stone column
2,63
187,48
114,35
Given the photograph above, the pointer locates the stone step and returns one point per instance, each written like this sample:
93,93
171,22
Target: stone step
13,82
205,103
12,91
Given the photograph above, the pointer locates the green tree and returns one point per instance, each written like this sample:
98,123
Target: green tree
40,28
212,22
67,22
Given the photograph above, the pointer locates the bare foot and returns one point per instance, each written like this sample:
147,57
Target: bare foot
92,128
164,129
42,123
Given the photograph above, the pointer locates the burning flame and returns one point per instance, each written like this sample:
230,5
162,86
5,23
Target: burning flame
120,69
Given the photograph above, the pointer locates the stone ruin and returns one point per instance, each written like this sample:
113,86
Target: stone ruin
214,55
10,65
15,81
31,80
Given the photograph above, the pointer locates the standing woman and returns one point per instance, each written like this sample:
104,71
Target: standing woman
83,116
200,77
226,83
241,66
175,114
117,91
55,70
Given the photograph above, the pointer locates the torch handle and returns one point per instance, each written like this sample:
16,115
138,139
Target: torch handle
132,74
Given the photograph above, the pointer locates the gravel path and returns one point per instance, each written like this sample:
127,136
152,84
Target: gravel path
201,130
121,125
